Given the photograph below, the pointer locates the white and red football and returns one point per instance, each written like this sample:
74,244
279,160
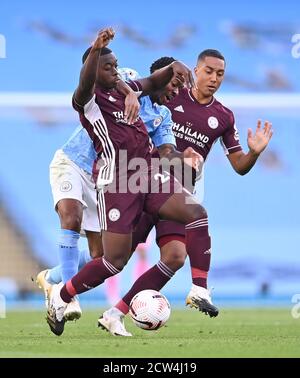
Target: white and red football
149,309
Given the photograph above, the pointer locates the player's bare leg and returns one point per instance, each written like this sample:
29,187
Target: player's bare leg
95,243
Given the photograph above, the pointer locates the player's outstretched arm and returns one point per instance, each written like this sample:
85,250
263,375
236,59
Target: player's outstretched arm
257,142
88,74
177,71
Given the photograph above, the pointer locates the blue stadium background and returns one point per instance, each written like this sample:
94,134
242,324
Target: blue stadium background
254,220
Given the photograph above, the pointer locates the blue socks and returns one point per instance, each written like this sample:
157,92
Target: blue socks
68,254
84,258
54,275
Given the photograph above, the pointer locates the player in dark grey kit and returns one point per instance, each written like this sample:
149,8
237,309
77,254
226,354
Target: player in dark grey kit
101,110
198,121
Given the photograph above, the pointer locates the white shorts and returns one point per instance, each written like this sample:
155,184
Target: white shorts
69,181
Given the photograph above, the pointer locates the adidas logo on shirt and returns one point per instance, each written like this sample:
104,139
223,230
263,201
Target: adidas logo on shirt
179,109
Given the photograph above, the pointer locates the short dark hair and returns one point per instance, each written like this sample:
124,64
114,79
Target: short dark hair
212,53
161,62
104,51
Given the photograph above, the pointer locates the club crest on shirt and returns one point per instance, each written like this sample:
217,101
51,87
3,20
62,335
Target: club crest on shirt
65,186
157,121
114,215
213,123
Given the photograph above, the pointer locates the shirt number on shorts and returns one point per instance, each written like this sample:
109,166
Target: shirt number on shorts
162,178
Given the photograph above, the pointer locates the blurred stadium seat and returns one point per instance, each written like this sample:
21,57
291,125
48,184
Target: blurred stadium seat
44,52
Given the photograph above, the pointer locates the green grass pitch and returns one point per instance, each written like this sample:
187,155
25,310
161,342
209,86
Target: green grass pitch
234,333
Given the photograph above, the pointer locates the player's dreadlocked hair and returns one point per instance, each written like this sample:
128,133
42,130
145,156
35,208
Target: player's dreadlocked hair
104,51
161,62
210,52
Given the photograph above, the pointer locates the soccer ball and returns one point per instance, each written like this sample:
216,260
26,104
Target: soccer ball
149,309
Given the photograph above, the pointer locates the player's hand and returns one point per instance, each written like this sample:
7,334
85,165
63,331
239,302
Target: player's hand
193,159
132,108
103,38
183,74
258,142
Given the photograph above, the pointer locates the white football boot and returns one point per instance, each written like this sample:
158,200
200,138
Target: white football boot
44,284
112,321
56,309
200,298
73,310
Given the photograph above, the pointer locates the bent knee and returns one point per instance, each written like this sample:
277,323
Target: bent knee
70,221
174,257
95,247
118,263
70,214
94,252
197,212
